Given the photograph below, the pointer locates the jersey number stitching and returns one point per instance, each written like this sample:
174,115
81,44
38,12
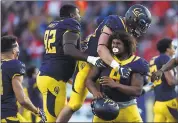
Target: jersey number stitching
115,75
50,38
153,68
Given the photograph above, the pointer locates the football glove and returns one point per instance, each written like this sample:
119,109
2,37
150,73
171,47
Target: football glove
96,61
42,115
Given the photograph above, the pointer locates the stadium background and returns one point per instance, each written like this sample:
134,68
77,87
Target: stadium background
28,20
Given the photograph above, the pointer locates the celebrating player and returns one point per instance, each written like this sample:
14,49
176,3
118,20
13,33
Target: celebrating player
12,77
136,21
121,90
62,45
165,107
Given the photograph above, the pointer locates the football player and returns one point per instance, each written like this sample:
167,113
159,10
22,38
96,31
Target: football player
136,22
62,46
166,105
168,66
12,77
119,89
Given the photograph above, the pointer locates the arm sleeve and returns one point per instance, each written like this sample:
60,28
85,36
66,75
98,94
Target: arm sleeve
17,68
71,38
141,67
115,23
111,23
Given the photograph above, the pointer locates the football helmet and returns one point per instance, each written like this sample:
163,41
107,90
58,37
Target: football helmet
105,108
138,20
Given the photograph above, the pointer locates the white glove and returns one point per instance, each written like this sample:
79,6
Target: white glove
96,61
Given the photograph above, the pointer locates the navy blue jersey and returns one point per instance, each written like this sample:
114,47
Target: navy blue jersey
114,22
137,64
55,64
10,69
34,93
163,91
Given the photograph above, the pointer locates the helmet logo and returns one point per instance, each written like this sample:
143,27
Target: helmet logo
137,12
110,102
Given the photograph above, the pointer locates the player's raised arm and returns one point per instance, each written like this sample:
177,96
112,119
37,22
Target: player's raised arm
91,80
102,49
70,40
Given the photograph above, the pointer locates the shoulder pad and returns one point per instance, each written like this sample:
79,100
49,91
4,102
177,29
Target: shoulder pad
163,59
141,66
114,23
72,24
16,67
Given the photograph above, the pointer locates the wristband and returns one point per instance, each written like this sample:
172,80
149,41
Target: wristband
90,59
114,64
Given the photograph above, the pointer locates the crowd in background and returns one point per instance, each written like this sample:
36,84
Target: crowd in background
28,20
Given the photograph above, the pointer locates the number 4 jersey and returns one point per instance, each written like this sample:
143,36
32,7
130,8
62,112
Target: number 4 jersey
137,64
163,91
55,64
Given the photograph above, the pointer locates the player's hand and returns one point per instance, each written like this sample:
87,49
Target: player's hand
96,61
100,63
42,115
97,95
156,75
106,81
124,72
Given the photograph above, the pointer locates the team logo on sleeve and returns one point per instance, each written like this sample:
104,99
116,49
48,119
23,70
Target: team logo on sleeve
22,71
56,89
82,65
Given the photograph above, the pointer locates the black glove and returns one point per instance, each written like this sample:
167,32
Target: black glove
41,114
100,63
124,72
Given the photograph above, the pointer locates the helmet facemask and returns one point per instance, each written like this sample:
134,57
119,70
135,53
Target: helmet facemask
140,28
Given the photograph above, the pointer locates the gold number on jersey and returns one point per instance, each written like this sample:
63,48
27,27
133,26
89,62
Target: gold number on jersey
49,38
153,68
1,86
115,75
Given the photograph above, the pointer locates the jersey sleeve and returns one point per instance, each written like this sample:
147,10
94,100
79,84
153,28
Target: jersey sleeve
163,60
114,23
72,25
141,67
17,68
